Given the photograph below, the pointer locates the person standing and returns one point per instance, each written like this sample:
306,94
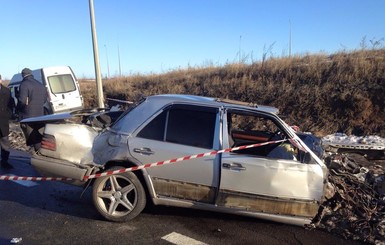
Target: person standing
6,107
32,96
31,100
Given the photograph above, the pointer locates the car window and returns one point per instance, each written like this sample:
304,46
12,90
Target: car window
247,129
155,129
195,128
120,121
15,92
61,83
187,126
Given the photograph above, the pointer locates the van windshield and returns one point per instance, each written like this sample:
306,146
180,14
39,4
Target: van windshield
61,84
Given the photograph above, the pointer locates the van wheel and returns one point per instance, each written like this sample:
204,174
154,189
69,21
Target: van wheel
119,197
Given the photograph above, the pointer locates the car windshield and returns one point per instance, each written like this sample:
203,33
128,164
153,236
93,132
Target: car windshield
130,108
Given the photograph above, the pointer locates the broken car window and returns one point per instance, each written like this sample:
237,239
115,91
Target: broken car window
247,129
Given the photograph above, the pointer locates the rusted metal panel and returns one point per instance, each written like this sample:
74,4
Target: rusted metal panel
184,190
267,205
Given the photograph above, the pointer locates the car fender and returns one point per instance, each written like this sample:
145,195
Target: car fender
110,146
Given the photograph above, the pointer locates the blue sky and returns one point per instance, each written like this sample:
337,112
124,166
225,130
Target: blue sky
157,36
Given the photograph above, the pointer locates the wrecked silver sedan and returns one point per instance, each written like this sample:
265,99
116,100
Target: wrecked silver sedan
278,178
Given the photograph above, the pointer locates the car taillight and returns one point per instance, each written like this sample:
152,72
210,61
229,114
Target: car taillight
48,142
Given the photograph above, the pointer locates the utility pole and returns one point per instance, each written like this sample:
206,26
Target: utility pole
108,65
98,76
120,70
239,51
289,38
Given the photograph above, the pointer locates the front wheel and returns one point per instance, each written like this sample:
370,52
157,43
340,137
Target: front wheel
119,197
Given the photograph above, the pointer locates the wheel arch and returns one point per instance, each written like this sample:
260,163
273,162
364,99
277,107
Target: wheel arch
141,174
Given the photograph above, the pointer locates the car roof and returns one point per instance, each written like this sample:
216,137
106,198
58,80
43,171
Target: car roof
161,101
218,102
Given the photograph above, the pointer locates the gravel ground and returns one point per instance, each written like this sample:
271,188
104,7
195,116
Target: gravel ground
16,137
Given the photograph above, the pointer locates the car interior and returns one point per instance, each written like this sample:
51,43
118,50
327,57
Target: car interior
247,129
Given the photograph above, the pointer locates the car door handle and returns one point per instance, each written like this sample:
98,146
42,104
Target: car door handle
233,166
144,150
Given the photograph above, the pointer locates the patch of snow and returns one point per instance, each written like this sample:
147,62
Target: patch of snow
341,138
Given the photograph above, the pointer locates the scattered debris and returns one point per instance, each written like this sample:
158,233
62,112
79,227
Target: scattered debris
16,137
355,197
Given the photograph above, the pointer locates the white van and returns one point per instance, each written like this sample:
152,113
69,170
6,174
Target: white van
62,87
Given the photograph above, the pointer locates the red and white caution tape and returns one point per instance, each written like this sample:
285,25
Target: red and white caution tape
148,165
12,177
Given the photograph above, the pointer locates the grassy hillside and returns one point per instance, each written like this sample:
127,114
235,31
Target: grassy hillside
323,94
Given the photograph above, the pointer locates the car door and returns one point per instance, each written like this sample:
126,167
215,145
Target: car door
179,131
268,179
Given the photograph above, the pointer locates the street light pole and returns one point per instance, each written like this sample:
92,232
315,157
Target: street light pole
239,52
120,70
108,65
98,75
289,38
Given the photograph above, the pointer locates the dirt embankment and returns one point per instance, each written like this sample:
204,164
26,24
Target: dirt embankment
323,94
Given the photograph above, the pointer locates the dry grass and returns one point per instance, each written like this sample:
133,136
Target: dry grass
324,94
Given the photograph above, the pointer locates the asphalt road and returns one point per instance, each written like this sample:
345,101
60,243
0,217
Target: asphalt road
57,213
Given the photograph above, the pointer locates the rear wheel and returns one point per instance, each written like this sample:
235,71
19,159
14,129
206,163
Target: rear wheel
119,197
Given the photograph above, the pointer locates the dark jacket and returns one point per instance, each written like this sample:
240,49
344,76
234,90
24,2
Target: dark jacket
6,107
32,97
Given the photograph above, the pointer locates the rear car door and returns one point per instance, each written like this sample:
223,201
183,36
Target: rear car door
269,179
178,131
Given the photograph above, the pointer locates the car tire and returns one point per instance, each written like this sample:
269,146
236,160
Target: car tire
119,197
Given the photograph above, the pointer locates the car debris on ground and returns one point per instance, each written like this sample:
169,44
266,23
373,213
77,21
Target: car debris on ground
355,201
355,198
